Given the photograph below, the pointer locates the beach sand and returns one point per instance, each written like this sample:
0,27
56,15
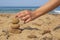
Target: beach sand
46,27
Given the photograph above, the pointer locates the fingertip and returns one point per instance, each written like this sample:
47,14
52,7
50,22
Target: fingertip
28,20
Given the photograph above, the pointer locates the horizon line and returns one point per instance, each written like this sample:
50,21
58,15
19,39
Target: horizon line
19,6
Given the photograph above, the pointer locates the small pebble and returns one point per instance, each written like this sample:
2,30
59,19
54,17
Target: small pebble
14,20
15,31
46,38
32,36
15,26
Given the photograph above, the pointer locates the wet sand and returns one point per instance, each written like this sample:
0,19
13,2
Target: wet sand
46,27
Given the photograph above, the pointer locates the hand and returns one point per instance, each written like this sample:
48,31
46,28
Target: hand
26,15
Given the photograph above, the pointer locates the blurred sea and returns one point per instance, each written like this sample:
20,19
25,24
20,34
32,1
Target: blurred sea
17,9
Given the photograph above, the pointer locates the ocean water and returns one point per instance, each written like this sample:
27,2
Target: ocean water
58,8
15,9
56,11
18,9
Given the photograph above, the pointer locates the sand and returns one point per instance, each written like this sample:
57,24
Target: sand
46,27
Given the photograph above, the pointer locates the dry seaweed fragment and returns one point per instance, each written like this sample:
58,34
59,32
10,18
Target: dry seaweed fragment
30,28
58,27
46,31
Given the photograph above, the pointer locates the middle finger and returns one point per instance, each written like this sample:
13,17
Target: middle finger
25,17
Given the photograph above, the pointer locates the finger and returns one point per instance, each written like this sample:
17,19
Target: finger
28,20
26,17
23,14
19,14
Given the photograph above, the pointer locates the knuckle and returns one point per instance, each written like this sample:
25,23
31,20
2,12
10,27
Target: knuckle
27,11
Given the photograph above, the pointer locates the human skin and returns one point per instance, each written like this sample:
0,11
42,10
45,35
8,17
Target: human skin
28,15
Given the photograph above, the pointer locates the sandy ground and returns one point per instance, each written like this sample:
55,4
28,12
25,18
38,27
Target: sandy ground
46,27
